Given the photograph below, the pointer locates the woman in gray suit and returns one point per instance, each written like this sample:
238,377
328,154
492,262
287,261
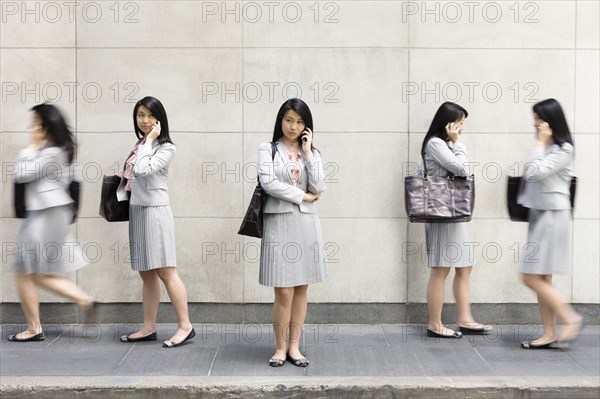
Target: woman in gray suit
546,193
151,225
46,166
448,247
291,172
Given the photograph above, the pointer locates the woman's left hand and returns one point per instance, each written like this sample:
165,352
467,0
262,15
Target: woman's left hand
544,133
307,138
154,133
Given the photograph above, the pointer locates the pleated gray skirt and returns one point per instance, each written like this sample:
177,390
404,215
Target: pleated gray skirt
449,245
151,237
44,245
548,249
292,250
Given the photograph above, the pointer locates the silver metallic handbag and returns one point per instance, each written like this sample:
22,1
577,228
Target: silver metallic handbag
433,199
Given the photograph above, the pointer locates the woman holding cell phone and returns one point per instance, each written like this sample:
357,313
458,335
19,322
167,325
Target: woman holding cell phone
291,172
151,224
548,251
448,247
46,166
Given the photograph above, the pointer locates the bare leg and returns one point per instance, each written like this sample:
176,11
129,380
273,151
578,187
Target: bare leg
435,299
63,286
548,319
299,306
178,296
282,312
151,300
462,292
552,303
30,304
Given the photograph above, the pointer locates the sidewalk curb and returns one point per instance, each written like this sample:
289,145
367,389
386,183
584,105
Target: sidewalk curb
178,387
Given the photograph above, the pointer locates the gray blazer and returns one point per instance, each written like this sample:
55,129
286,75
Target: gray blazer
442,160
275,180
48,175
151,170
547,177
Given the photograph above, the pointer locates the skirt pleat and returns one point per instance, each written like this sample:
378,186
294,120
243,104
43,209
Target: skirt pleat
151,237
449,245
292,250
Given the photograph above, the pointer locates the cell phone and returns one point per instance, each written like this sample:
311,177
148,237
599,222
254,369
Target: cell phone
303,137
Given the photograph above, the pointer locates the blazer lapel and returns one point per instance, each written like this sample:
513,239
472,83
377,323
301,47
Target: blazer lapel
281,150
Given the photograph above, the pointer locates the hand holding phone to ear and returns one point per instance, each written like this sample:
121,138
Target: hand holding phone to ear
306,141
453,132
154,133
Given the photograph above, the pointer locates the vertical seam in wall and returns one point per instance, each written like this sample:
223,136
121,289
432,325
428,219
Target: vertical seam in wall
76,126
1,196
242,179
574,127
408,45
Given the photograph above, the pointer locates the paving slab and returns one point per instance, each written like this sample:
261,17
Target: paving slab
347,360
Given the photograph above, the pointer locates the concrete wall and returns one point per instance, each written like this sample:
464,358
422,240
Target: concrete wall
373,72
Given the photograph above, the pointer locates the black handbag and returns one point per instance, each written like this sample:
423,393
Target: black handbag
432,199
252,225
111,208
516,211
19,199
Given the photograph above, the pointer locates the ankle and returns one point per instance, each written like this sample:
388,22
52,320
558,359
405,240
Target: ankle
147,329
575,318
436,326
185,326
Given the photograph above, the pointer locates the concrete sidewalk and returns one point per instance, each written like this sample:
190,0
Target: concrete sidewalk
224,360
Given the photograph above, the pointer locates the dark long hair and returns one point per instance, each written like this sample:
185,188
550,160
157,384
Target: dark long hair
447,112
302,109
56,128
551,112
157,109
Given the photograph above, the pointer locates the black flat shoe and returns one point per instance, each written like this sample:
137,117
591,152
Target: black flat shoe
297,362
276,362
129,338
549,345
433,334
170,344
475,331
33,338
